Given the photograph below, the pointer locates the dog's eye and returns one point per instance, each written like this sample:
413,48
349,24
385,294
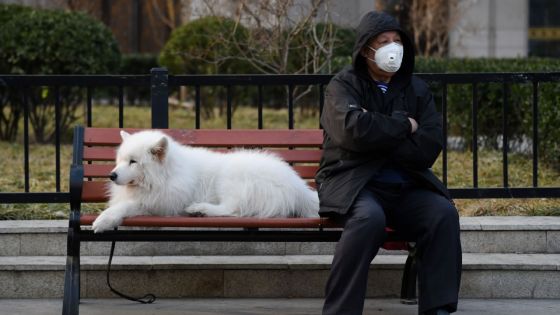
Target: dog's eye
132,162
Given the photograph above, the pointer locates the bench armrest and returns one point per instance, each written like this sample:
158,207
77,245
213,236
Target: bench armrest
76,186
76,177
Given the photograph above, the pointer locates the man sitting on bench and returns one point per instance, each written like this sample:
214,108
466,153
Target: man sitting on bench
382,135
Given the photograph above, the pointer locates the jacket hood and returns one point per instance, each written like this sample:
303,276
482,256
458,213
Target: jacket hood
372,24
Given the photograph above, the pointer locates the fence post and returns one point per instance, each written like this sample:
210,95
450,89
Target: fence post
159,91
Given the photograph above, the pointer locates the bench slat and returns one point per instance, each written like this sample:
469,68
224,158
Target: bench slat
97,170
95,191
220,222
299,156
99,154
296,156
218,137
306,171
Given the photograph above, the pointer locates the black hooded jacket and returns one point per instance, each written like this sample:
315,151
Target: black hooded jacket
358,143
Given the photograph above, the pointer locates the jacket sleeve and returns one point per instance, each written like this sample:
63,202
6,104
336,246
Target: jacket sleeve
421,149
356,130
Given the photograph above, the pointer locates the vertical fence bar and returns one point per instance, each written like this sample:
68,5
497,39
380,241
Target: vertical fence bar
159,85
121,106
88,107
57,135
444,128
89,115
260,106
505,133
321,102
229,106
290,106
26,139
197,107
535,133
475,133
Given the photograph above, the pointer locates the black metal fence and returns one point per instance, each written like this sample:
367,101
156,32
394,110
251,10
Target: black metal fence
160,84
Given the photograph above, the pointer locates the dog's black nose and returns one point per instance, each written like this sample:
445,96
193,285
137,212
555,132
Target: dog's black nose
113,176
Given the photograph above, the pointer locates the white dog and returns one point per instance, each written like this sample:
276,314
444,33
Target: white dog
155,175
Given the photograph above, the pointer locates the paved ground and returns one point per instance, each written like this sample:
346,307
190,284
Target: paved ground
266,307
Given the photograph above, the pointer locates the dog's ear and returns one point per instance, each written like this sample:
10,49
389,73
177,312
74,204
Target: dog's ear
160,149
124,135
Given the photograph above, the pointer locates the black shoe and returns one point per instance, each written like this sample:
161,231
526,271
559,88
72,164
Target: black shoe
439,311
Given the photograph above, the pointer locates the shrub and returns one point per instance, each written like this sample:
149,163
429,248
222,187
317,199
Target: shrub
490,102
55,42
204,46
201,47
10,111
10,11
138,64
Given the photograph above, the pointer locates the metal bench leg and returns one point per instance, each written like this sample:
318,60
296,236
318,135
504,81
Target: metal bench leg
408,287
71,302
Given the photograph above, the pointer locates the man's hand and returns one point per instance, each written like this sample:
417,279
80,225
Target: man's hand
414,125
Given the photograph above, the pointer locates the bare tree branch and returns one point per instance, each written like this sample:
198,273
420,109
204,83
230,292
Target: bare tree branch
167,15
430,22
279,36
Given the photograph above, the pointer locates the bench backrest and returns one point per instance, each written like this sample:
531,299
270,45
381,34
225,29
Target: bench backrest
299,147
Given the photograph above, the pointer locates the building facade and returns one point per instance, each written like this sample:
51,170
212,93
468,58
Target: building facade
483,28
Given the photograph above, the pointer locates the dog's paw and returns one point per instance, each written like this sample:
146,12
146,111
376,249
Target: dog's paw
104,223
196,210
209,210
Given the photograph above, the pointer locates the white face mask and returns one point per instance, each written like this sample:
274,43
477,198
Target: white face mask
389,57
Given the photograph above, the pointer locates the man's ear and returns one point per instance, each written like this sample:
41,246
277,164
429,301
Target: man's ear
160,149
124,135
364,51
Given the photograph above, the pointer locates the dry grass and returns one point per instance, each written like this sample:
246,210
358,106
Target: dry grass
179,117
509,207
42,166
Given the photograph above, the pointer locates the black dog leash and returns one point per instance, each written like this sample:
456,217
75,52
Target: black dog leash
146,299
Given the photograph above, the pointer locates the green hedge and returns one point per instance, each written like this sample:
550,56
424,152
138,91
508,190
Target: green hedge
54,42
490,102
10,11
456,65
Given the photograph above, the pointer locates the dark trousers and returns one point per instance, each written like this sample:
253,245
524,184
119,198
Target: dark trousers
421,215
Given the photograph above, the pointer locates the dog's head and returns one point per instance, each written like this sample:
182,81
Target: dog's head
139,155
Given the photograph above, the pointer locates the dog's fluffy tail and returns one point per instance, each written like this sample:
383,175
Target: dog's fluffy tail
309,203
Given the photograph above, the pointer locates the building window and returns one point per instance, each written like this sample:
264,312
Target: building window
544,28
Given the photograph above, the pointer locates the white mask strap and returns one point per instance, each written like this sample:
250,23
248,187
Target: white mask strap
374,50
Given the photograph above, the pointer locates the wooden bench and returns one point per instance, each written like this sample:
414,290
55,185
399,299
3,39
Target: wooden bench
94,149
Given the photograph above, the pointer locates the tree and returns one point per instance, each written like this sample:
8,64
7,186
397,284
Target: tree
168,12
429,22
286,36
282,37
